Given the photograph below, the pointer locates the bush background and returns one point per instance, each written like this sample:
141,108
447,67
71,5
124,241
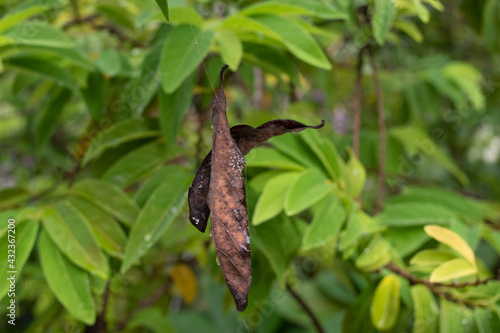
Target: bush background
105,117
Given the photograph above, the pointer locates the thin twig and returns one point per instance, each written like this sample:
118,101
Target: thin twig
356,105
433,286
153,298
306,308
382,132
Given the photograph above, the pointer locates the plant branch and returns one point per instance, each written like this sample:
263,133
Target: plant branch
306,308
433,286
382,132
356,105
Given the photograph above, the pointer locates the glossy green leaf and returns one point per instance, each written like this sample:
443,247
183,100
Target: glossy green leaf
406,240
185,15
431,258
109,62
152,183
327,221
453,269
486,320
425,309
131,166
151,318
295,7
39,33
93,95
115,135
108,197
24,236
451,318
184,50
325,151
69,283
410,29
279,240
5,216
107,231
295,148
163,4
375,255
296,39
73,235
491,23
231,48
161,209
271,201
56,73
117,13
173,108
263,157
310,187
47,119
353,229
14,17
386,301
453,240
405,214
354,175
383,17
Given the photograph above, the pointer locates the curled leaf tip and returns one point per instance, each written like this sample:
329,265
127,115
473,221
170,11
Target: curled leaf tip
222,74
320,125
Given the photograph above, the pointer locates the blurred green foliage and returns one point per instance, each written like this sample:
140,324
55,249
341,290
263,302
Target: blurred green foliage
105,109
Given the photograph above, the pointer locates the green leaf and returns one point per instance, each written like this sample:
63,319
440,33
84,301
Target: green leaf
450,320
152,183
108,232
131,166
116,135
468,79
109,62
279,240
296,39
406,214
47,119
24,237
327,221
163,4
410,29
406,240
184,50
117,13
73,235
19,14
384,310
352,231
310,187
185,15
295,7
486,321
491,24
5,216
431,258
263,157
151,318
425,309
173,108
354,175
375,255
453,269
231,48
38,33
69,283
383,17
55,72
453,240
272,199
12,195
325,151
93,95
161,209
108,197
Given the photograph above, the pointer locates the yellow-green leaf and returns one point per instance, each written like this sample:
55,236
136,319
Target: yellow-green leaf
426,310
184,278
453,240
384,310
375,255
453,269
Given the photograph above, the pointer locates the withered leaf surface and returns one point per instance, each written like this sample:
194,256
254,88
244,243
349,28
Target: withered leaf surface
246,138
218,188
226,201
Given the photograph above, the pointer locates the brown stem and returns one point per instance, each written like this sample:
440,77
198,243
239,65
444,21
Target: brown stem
356,105
433,286
382,132
306,308
100,323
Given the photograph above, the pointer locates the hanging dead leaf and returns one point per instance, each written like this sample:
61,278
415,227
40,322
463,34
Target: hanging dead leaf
246,138
218,188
